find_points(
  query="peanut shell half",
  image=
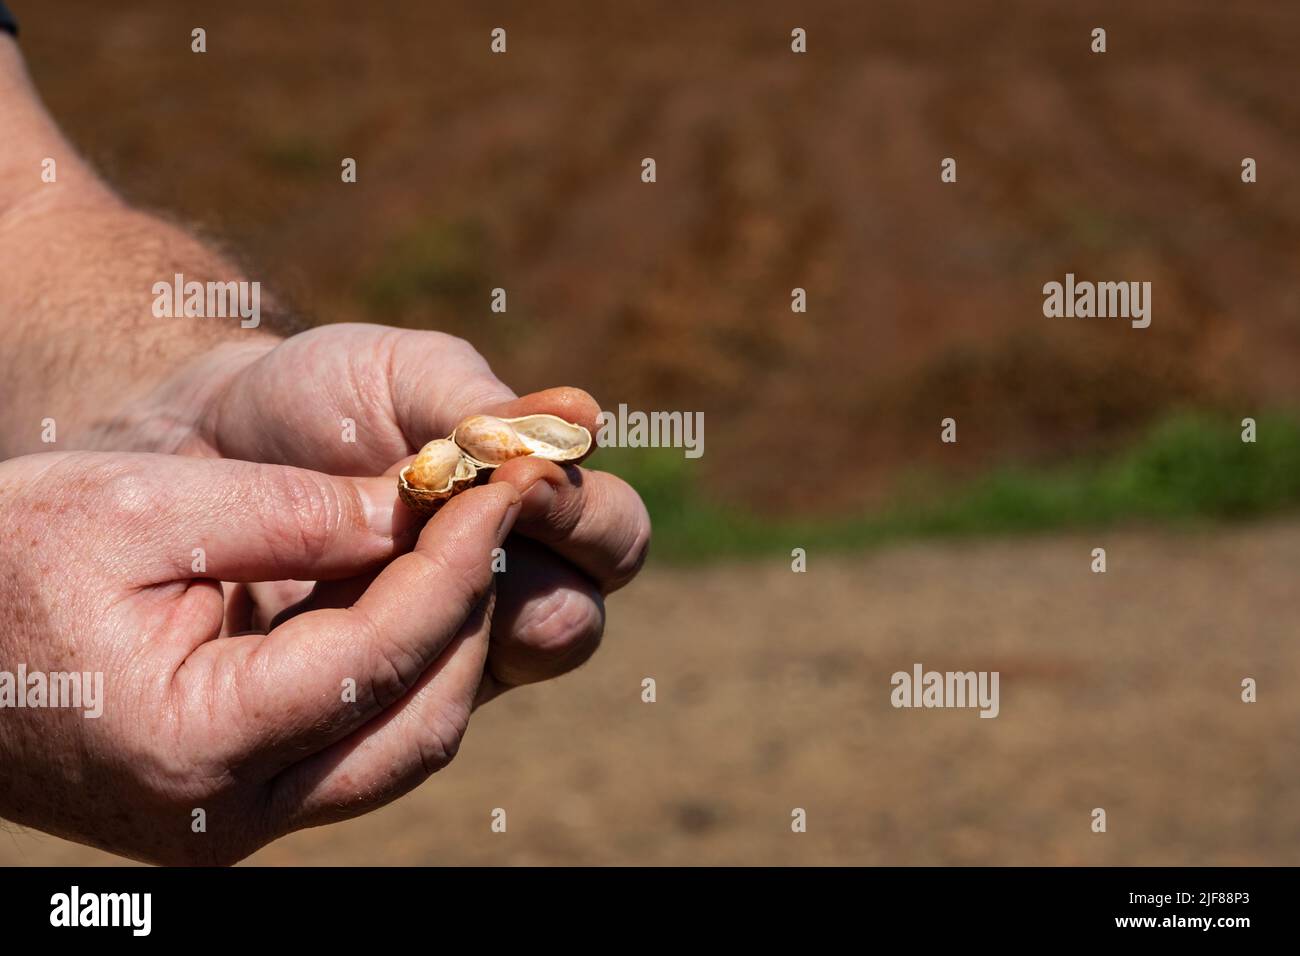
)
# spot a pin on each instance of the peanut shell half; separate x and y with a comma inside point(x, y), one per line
point(447, 466)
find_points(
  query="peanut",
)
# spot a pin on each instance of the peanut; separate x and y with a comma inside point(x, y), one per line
point(435, 466)
point(489, 440)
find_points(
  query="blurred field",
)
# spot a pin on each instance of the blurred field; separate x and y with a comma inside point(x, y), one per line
point(775, 171)
point(1118, 690)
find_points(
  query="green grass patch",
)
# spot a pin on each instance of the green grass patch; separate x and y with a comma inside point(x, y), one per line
point(437, 260)
point(1188, 469)
point(294, 156)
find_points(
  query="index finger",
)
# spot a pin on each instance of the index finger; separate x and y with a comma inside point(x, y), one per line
point(295, 681)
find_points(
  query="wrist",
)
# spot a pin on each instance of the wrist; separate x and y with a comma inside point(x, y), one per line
point(178, 416)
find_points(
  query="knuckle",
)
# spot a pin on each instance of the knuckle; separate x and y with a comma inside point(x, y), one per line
point(567, 629)
point(387, 681)
point(124, 496)
point(447, 347)
point(439, 746)
point(567, 516)
point(462, 347)
point(638, 549)
point(476, 385)
point(391, 671)
point(320, 510)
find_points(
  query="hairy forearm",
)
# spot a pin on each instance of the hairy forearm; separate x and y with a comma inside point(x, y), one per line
point(80, 344)
point(82, 347)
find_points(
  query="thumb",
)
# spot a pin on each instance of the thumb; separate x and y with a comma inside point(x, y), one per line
point(242, 521)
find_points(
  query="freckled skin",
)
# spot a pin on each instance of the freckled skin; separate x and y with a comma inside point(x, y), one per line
point(98, 581)
point(51, 593)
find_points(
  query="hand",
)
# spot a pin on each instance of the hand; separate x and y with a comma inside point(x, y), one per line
point(96, 558)
point(581, 534)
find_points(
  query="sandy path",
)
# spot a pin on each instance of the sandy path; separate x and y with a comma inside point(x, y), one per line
point(1118, 690)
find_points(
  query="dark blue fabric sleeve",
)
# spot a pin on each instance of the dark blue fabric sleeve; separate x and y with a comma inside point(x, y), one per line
point(7, 21)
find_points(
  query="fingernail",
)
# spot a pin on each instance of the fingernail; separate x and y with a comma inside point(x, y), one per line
point(507, 521)
point(379, 513)
point(537, 499)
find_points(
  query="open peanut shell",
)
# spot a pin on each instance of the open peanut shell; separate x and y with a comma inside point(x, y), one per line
point(447, 466)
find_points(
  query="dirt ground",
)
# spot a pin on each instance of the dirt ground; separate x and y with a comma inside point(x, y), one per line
point(1119, 691)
